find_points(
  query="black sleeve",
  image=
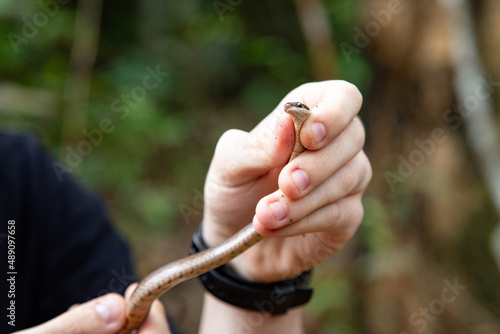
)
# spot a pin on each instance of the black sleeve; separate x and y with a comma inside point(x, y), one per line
point(66, 250)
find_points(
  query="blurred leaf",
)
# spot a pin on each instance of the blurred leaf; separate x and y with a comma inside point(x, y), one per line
point(330, 293)
point(375, 229)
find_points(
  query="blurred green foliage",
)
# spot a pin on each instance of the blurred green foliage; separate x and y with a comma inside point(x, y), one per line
point(224, 70)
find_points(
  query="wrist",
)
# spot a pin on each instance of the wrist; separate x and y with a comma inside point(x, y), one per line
point(217, 228)
point(274, 298)
point(212, 233)
point(220, 317)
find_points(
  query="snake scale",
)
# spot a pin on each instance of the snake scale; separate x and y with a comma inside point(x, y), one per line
point(164, 278)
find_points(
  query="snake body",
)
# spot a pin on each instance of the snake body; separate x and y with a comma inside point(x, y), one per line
point(164, 278)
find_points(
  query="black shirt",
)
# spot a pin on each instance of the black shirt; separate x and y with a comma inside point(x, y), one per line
point(57, 246)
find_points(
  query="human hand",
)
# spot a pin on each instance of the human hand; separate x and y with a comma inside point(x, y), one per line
point(103, 315)
point(314, 201)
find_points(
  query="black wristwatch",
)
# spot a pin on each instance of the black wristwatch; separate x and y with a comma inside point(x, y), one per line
point(273, 298)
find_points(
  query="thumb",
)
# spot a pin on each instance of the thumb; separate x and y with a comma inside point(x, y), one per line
point(242, 157)
point(104, 315)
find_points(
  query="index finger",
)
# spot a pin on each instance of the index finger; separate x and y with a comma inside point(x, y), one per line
point(334, 104)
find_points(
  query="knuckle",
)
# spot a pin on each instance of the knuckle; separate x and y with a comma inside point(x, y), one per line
point(368, 171)
point(348, 181)
point(353, 216)
point(222, 142)
point(358, 132)
point(231, 147)
point(352, 92)
point(360, 174)
point(227, 138)
point(363, 171)
point(334, 212)
point(358, 213)
point(338, 120)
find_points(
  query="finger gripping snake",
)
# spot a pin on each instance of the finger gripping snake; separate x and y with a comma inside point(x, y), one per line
point(164, 278)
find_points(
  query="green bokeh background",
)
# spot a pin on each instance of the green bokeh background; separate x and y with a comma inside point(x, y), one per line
point(228, 67)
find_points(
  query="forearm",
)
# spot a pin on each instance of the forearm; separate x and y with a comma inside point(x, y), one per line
point(220, 317)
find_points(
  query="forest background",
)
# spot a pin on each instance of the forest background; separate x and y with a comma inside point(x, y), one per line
point(426, 258)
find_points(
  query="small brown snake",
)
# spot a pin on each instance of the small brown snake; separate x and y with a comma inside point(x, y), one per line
point(164, 278)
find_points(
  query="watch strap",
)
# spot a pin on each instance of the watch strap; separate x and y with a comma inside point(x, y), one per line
point(274, 298)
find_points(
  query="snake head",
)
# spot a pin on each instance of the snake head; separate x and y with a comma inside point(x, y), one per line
point(289, 105)
point(299, 112)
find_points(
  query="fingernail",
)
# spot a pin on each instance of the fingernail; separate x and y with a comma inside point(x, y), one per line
point(278, 210)
point(300, 179)
point(107, 310)
point(319, 132)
